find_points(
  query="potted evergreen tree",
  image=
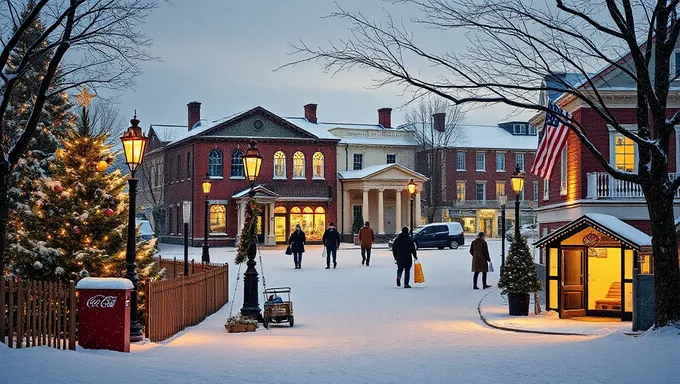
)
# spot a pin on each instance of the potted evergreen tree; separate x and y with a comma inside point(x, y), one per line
point(519, 278)
point(357, 224)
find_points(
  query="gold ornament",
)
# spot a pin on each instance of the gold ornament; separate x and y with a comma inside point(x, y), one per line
point(84, 98)
point(60, 153)
point(102, 166)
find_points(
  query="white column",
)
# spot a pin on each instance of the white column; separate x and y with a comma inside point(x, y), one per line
point(381, 213)
point(416, 219)
point(271, 239)
point(397, 212)
point(364, 205)
point(241, 216)
point(347, 212)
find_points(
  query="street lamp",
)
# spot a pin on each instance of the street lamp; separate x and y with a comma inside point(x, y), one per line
point(206, 184)
point(517, 186)
point(412, 193)
point(504, 201)
point(252, 160)
point(134, 143)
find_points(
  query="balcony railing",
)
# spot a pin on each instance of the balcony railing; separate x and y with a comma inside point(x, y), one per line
point(523, 204)
point(602, 185)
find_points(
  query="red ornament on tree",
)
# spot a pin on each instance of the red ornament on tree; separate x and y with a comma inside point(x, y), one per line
point(109, 212)
point(76, 229)
point(58, 188)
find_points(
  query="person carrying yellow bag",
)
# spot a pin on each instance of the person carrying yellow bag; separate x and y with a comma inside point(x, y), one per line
point(418, 276)
point(402, 250)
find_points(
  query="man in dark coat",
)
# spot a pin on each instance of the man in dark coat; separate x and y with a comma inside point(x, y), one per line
point(331, 240)
point(480, 259)
point(403, 251)
point(296, 242)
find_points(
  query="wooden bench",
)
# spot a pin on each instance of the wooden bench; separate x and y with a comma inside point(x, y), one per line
point(612, 302)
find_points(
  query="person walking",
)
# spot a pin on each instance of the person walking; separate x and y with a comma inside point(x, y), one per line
point(480, 259)
point(296, 242)
point(366, 239)
point(403, 251)
point(331, 240)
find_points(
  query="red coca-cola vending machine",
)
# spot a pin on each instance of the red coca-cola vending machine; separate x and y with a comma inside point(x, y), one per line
point(104, 313)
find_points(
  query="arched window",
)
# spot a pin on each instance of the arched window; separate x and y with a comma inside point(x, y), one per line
point(218, 218)
point(279, 165)
point(215, 163)
point(317, 166)
point(299, 165)
point(237, 163)
point(295, 210)
point(280, 209)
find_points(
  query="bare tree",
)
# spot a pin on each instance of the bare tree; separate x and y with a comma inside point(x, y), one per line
point(105, 117)
point(152, 192)
point(436, 124)
point(507, 48)
point(94, 42)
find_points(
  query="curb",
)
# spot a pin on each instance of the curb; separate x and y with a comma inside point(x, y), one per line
point(517, 330)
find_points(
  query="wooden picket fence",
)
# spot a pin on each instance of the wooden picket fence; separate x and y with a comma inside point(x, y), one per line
point(174, 304)
point(37, 313)
point(175, 268)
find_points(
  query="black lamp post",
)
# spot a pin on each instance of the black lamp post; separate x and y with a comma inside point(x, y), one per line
point(252, 160)
point(517, 186)
point(134, 144)
point(412, 193)
point(206, 184)
point(504, 201)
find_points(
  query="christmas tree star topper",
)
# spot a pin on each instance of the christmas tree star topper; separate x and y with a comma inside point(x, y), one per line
point(84, 98)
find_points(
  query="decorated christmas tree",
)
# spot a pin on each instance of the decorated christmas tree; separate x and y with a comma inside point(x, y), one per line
point(519, 275)
point(78, 215)
point(358, 223)
point(249, 231)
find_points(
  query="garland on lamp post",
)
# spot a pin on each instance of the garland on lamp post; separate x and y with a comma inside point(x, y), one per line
point(248, 232)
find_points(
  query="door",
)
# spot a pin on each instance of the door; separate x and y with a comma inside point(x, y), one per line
point(390, 220)
point(280, 229)
point(487, 227)
point(573, 301)
point(426, 237)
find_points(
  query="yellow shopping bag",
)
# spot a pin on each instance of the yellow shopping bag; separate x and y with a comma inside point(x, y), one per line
point(418, 276)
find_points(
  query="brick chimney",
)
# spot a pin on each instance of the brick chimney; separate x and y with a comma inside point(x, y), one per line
point(310, 113)
point(194, 113)
point(439, 121)
point(385, 117)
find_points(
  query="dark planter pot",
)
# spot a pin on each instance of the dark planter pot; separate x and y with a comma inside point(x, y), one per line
point(518, 304)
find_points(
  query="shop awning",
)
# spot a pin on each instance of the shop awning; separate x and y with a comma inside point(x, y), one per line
point(609, 225)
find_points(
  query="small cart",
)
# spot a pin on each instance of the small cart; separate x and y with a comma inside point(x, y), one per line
point(278, 311)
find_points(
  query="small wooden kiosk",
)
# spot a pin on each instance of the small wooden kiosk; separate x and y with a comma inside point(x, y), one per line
point(589, 266)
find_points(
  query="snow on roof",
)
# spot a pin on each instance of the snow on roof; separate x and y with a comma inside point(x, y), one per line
point(104, 283)
point(621, 228)
point(377, 140)
point(258, 189)
point(558, 81)
point(492, 136)
point(361, 173)
point(322, 130)
point(203, 125)
point(168, 132)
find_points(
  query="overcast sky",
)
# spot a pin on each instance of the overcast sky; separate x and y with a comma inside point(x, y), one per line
point(222, 53)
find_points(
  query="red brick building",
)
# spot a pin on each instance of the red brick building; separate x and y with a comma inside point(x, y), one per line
point(296, 183)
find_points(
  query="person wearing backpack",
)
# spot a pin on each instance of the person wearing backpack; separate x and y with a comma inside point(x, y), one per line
point(366, 239)
point(331, 240)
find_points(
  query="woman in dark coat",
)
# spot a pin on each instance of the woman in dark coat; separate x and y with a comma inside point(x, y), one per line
point(296, 242)
point(402, 250)
point(480, 259)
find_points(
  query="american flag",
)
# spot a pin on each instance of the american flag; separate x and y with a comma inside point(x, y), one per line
point(551, 140)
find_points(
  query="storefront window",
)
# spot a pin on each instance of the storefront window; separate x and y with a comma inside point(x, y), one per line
point(280, 224)
point(218, 222)
point(469, 225)
point(604, 279)
point(312, 221)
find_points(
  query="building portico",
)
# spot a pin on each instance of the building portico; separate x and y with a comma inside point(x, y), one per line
point(380, 194)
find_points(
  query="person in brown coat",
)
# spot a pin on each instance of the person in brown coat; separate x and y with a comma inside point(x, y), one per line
point(480, 259)
point(366, 239)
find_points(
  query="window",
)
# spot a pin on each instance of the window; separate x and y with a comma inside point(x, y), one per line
point(519, 160)
point(519, 129)
point(480, 191)
point(624, 153)
point(237, 163)
point(546, 189)
point(218, 219)
point(564, 172)
point(298, 165)
point(311, 220)
point(460, 161)
point(500, 162)
point(279, 165)
point(677, 63)
point(215, 163)
point(391, 158)
point(535, 185)
point(521, 194)
point(481, 161)
point(188, 165)
point(170, 221)
point(532, 130)
point(500, 189)
point(460, 191)
point(317, 166)
point(170, 175)
point(157, 172)
point(358, 160)
point(179, 167)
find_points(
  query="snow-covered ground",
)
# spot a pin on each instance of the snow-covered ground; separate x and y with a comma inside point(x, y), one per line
point(353, 325)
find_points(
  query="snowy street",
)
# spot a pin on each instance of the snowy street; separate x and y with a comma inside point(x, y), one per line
point(354, 325)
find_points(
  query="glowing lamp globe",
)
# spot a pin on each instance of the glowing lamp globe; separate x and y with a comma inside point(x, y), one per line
point(206, 184)
point(517, 181)
point(134, 145)
point(411, 187)
point(252, 161)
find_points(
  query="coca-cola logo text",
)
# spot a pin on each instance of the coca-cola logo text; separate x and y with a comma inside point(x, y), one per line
point(101, 301)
